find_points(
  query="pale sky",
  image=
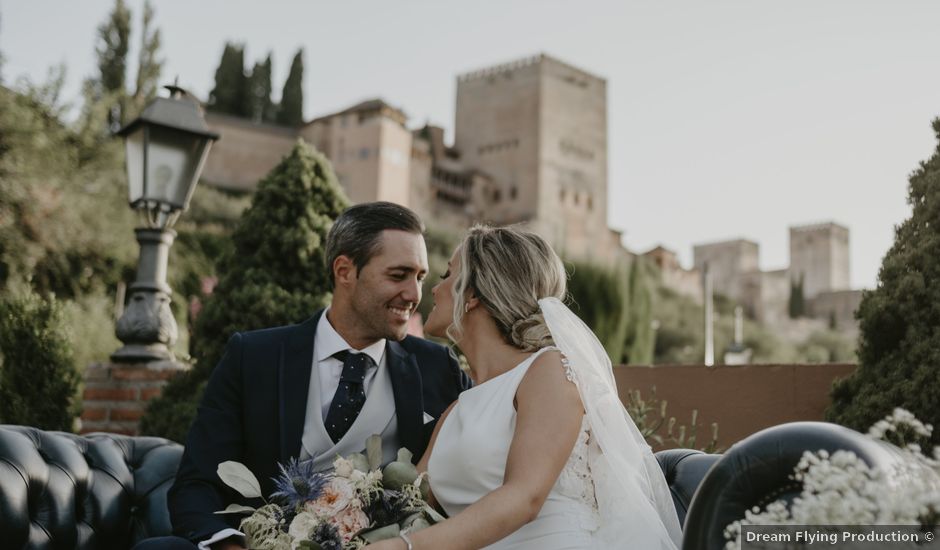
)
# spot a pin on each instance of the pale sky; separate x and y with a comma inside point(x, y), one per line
point(726, 118)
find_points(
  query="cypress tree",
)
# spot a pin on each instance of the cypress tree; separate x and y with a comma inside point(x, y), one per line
point(275, 275)
point(599, 298)
point(291, 111)
point(148, 64)
point(797, 304)
point(261, 108)
point(641, 339)
point(113, 44)
point(231, 84)
point(899, 344)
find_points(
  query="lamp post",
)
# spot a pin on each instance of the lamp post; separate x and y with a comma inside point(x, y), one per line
point(166, 147)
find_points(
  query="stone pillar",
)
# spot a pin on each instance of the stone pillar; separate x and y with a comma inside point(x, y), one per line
point(116, 394)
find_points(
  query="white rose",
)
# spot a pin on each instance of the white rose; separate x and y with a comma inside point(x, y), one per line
point(342, 467)
point(301, 528)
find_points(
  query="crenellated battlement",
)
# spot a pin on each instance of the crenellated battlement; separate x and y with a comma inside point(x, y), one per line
point(520, 64)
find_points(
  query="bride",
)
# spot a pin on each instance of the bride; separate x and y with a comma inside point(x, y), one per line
point(540, 453)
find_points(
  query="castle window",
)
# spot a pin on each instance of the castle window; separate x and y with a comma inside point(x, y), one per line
point(590, 203)
point(513, 193)
point(577, 198)
point(363, 153)
point(561, 195)
point(497, 195)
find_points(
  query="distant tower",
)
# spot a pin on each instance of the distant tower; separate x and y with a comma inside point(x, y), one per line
point(729, 263)
point(538, 126)
point(820, 254)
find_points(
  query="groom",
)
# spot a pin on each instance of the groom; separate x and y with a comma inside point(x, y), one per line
point(320, 388)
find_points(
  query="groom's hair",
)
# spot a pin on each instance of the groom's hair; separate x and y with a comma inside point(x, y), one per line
point(356, 232)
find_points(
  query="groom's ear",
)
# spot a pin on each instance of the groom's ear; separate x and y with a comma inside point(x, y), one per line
point(344, 270)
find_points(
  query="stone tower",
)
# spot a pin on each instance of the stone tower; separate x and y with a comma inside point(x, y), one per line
point(538, 127)
point(820, 253)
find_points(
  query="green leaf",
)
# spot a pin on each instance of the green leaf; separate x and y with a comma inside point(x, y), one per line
point(237, 476)
point(435, 516)
point(236, 509)
point(374, 451)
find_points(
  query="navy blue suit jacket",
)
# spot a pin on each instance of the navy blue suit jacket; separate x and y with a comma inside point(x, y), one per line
point(254, 407)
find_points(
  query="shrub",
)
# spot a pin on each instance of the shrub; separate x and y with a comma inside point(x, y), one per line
point(38, 381)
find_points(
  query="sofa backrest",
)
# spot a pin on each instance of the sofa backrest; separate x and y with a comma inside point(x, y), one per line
point(759, 470)
point(96, 491)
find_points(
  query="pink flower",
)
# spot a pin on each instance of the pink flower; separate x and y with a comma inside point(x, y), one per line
point(350, 521)
point(335, 498)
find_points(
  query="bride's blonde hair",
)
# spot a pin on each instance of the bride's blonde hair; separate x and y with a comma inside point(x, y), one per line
point(509, 270)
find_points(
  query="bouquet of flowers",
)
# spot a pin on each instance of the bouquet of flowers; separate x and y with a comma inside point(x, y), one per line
point(841, 489)
point(356, 504)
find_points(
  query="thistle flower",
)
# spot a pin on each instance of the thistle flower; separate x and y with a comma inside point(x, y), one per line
point(327, 536)
point(298, 483)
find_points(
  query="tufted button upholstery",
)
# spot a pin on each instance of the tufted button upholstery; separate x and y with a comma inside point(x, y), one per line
point(97, 491)
point(757, 471)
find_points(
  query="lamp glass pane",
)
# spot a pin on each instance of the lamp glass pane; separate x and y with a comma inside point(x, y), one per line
point(172, 161)
point(134, 145)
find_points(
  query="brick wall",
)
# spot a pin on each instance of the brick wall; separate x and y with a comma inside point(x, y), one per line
point(116, 394)
point(742, 399)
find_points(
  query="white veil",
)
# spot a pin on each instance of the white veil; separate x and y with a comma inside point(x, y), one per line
point(633, 499)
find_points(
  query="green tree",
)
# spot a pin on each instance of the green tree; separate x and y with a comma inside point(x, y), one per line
point(600, 298)
point(640, 337)
point(275, 275)
point(291, 111)
point(112, 48)
point(797, 304)
point(149, 65)
point(231, 84)
point(261, 108)
point(899, 344)
point(38, 381)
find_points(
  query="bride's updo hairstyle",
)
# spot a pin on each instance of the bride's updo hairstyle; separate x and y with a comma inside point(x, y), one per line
point(509, 270)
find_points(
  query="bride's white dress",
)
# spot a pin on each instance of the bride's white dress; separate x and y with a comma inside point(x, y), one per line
point(469, 460)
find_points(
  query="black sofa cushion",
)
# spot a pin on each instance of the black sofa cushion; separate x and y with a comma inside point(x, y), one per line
point(97, 491)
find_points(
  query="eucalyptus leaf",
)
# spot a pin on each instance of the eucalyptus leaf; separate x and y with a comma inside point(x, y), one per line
point(382, 533)
point(236, 509)
point(404, 455)
point(433, 514)
point(359, 462)
point(237, 476)
point(374, 451)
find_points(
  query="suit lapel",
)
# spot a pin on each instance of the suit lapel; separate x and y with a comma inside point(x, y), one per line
point(296, 364)
point(409, 401)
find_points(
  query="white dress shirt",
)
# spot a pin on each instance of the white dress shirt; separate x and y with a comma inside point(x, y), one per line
point(329, 369)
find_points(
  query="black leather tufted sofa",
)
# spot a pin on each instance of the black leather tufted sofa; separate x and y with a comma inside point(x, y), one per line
point(757, 471)
point(106, 491)
point(97, 491)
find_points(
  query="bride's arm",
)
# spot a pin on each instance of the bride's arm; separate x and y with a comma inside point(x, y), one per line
point(423, 463)
point(549, 419)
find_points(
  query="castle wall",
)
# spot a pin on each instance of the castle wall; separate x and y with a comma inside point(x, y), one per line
point(245, 153)
point(729, 264)
point(573, 160)
point(820, 253)
point(496, 130)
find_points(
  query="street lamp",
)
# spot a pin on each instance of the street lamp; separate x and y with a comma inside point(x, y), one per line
point(166, 147)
